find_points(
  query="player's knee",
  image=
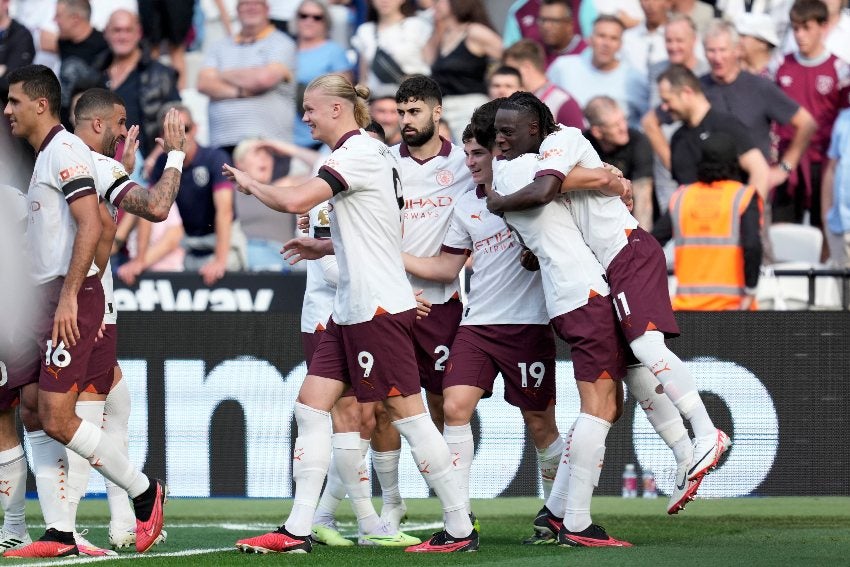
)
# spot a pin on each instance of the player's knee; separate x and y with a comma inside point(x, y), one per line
point(456, 410)
point(541, 427)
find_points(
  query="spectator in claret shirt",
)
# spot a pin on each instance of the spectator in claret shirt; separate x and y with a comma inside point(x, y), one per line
point(820, 82)
point(558, 31)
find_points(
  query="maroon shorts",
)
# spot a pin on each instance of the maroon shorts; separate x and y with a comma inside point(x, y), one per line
point(596, 343)
point(104, 359)
point(638, 280)
point(375, 357)
point(309, 342)
point(524, 354)
point(432, 337)
point(64, 368)
point(9, 397)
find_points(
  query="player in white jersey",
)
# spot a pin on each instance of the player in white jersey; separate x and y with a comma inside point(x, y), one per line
point(62, 235)
point(636, 271)
point(368, 342)
point(505, 327)
point(100, 121)
point(434, 177)
point(13, 283)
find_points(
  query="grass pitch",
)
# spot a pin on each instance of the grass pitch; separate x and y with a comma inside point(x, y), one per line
point(758, 531)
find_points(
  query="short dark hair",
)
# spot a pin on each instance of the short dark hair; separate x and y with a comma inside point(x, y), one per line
point(611, 19)
point(483, 122)
point(564, 3)
point(377, 129)
point(534, 108)
point(81, 7)
point(807, 10)
point(680, 76)
point(505, 70)
point(419, 87)
point(468, 134)
point(408, 8)
point(39, 81)
point(95, 101)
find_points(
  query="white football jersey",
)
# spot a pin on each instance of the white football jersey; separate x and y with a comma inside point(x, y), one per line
point(431, 189)
point(112, 182)
point(602, 220)
point(63, 172)
point(365, 219)
point(501, 291)
point(13, 203)
point(319, 293)
point(570, 271)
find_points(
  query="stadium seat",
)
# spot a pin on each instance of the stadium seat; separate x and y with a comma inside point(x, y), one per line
point(791, 293)
point(796, 243)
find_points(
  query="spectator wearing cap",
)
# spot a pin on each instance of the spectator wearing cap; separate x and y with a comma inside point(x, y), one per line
point(758, 41)
point(820, 82)
point(755, 101)
point(715, 226)
point(249, 79)
point(700, 13)
point(527, 57)
point(600, 71)
point(643, 45)
point(625, 148)
point(558, 31)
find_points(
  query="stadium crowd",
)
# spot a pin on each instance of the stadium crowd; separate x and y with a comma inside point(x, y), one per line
point(698, 129)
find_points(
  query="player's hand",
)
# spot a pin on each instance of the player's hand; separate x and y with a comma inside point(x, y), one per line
point(212, 271)
point(304, 248)
point(423, 306)
point(129, 271)
point(494, 200)
point(65, 327)
point(528, 260)
point(101, 331)
point(173, 132)
point(628, 196)
point(616, 171)
point(131, 146)
point(304, 223)
point(240, 179)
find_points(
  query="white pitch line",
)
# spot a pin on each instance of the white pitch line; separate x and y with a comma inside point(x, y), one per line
point(80, 560)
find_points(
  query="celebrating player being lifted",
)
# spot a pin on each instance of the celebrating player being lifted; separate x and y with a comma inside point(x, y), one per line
point(368, 342)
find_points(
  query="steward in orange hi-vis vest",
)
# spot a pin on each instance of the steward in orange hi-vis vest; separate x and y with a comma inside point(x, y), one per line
point(709, 258)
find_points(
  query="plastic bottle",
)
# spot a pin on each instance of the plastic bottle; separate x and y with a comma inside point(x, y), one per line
point(649, 488)
point(630, 482)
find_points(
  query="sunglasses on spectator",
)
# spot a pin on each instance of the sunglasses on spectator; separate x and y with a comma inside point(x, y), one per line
point(314, 17)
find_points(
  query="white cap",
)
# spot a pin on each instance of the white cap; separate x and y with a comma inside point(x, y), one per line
point(759, 26)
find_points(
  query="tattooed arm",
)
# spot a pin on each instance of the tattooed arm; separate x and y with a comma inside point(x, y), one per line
point(153, 204)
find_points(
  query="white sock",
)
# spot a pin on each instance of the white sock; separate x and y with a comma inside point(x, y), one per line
point(332, 495)
point(557, 500)
point(659, 409)
point(364, 448)
point(587, 453)
point(352, 471)
point(310, 461)
point(105, 457)
point(386, 469)
point(116, 419)
point(432, 458)
point(79, 468)
point(462, 449)
point(678, 383)
point(49, 460)
point(549, 459)
point(13, 489)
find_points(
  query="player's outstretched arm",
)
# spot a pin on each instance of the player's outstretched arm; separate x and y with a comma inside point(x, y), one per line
point(537, 193)
point(154, 204)
point(604, 179)
point(306, 248)
point(443, 268)
point(296, 200)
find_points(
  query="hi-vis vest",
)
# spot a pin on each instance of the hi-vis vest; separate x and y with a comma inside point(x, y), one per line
point(709, 260)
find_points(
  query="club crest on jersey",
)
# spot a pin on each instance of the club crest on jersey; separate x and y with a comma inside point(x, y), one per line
point(824, 84)
point(786, 80)
point(201, 175)
point(118, 173)
point(445, 177)
point(324, 217)
point(76, 170)
point(551, 152)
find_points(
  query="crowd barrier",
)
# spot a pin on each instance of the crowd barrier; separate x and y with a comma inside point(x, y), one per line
point(214, 373)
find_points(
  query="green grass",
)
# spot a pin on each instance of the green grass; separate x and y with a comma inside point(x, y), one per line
point(764, 531)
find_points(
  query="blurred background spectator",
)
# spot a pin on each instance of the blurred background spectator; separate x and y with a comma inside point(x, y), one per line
point(169, 22)
point(836, 193)
point(390, 45)
point(700, 13)
point(151, 246)
point(503, 82)
point(384, 111)
point(249, 80)
point(16, 46)
point(643, 45)
point(317, 55)
point(758, 41)
point(461, 48)
point(558, 31)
